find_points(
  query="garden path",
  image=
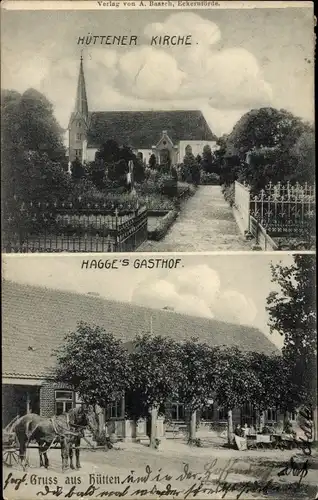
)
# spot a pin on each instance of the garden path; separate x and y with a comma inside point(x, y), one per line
point(206, 223)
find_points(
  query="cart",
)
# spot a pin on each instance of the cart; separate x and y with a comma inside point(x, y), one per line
point(10, 445)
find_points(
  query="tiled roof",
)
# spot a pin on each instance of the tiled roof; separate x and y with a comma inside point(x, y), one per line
point(143, 129)
point(35, 321)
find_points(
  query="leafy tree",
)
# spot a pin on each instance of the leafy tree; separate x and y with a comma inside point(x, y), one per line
point(77, 169)
point(108, 152)
point(292, 314)
point(303, 157)
point(154, 379)
point(97, 172)
point(267, 387)
point(190, 168)
point(207, 159)
point(95, 364)
point(30, 132)
point(197, 378)
point(152, 161)
point(234, 381)
point(268, 135)
point(117, 171)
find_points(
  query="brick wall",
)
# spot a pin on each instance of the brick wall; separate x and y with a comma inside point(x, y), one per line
point(47, 398)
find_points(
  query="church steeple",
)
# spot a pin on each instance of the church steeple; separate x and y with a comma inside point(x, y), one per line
point(81, 105)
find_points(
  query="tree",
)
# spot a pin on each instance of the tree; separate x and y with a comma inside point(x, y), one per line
point(267, 135)
point(190, 167)
point(97, 172)
point(152, 161)
point(108, 152)
point(95, 364)
point(269, 381)
point(30, 132)
point(207, 160)
point(292, 314)
point(77, 169)
point(197, 378)
point(303, 157)
point(155, 376)
point(234, 381)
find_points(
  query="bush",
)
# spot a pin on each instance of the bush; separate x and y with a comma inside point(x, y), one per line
point(229, 194)
point(211, 179)
point(163, 225)
point(168, 186)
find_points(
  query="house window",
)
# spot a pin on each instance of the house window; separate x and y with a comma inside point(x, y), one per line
point(64, 401)
point(115, 410)
point(207, 413)
point(248, 415)
point(79, 124)
point(78, 137)
point(78, 152)
point(177, 411)
point(271, 415)
point(292, 416)
point(222, 414)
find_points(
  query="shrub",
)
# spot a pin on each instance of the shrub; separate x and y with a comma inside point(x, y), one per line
point(168, 186)
point(229, 194)
point(163, 225)
point(212, 179)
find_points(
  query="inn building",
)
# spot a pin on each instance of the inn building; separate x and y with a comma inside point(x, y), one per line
point(162, 133)
point(35, 321)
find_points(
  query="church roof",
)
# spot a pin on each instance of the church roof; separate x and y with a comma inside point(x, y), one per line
point(81, 105)
point(36, 320)
point(143, 129)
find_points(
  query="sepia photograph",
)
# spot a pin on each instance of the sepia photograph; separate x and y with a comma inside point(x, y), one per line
point(157, 129)
point(189, 376)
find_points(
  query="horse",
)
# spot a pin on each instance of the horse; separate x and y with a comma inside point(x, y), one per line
point(67, 429)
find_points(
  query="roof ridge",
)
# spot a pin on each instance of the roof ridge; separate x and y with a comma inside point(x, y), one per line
point(95, 298)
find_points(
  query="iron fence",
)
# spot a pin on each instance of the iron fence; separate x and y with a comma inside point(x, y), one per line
point(72, 227)
point(281, 209)
point(285, 209)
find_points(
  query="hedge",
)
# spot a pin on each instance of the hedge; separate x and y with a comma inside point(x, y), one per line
point(163, 225)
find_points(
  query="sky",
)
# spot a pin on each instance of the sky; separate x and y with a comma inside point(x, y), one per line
point(239, 60)
point(228, 287)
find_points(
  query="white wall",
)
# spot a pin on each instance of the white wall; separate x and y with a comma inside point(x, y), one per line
point(90, 154)
point(146, 153)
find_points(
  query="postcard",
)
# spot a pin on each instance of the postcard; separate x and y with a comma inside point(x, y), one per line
point(157, 126)
point(163, 376)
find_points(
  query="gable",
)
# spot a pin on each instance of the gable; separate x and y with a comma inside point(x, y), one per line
point(143, 129)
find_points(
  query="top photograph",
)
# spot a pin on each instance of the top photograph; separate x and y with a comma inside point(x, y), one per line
point(158, 129)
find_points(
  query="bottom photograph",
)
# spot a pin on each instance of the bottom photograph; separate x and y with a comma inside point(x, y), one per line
point(179, 376)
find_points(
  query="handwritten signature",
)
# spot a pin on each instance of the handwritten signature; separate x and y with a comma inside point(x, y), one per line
point(307, 427)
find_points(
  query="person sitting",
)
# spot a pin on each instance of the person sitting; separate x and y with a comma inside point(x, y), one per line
point(239, 431)
point(246, 430)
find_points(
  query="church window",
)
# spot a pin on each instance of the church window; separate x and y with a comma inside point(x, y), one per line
point(78, 152)
point(164, 142)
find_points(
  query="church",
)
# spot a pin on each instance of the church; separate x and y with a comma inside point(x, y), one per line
point(166, 134)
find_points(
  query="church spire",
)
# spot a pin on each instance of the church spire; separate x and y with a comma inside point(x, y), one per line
point(81, 105)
